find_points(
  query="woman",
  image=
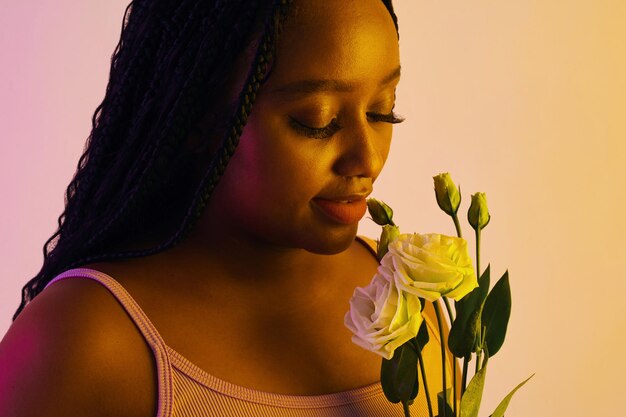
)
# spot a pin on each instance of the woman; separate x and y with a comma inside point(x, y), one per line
point(230, 271)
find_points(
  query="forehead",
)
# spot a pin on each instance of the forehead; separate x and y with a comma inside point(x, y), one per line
point(353, 41)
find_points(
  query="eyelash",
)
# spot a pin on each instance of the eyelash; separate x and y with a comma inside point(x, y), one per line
point(333, 127)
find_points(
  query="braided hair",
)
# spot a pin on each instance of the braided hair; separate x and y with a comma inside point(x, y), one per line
point(171, 60)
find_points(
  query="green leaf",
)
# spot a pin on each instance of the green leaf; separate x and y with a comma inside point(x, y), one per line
point(470, 401)
point(472, 300)
point(398, 375)
point(501, 408)
point(463, 337)
point(496, 313)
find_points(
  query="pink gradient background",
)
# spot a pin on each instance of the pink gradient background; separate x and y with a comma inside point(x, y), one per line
point(525, 101)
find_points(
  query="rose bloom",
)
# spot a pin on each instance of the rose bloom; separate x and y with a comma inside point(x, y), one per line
point(381, 317)
point(430, 265)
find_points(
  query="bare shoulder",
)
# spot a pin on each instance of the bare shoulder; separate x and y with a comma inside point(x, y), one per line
point(74, 351)
point(373, 244)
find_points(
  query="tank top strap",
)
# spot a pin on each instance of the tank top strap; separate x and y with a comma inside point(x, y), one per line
point(143, 323)
point(370, 244)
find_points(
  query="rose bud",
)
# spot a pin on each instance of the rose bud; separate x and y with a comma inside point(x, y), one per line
point(448, 195)
point(388, 235)
point(381, 213)
point(478, 214)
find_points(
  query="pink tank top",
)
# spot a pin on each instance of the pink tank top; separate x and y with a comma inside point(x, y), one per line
point(185, 390)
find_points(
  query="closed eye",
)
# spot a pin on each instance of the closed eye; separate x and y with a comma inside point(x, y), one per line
point(388, 118)
point(315, 132)
point(334, 126)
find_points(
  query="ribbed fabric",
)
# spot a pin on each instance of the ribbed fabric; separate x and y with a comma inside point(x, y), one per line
point(185, 390)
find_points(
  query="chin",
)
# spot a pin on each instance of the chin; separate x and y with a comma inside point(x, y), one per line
point(332, 242)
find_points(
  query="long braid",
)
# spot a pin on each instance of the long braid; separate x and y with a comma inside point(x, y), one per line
point(186, 108)
point(175, 124)
point(107, 125)
point(140, 165)
point(114, 107)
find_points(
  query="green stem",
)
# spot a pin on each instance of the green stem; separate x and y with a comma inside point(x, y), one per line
point(421, 362)
point(449, 309)
point(464, 377)
point(454, 391)
point(457, 225)
point(477, 253)
point(479, 353)
point(442, 413)
point(482, 333)
point(454, 384)
point(405, 407)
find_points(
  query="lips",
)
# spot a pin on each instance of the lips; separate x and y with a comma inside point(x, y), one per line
point(345, 209)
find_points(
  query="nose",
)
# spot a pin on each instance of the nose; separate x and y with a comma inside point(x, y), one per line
point(364, 150)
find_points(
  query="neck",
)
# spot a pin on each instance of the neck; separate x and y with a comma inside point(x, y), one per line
point(258, 272)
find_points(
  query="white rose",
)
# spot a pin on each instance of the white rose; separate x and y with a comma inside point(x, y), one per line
point(382, 318)
point(430, 265)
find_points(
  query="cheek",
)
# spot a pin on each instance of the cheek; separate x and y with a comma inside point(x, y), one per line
point(272, 165)
point(385, 143)
point(385, 151)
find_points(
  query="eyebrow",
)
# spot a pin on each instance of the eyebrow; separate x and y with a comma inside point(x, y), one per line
point(316, 86)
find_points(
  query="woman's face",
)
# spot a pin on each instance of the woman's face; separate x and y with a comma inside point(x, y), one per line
point(313, 130)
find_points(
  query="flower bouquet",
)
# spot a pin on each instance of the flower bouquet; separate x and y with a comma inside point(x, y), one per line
point(387, 316)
